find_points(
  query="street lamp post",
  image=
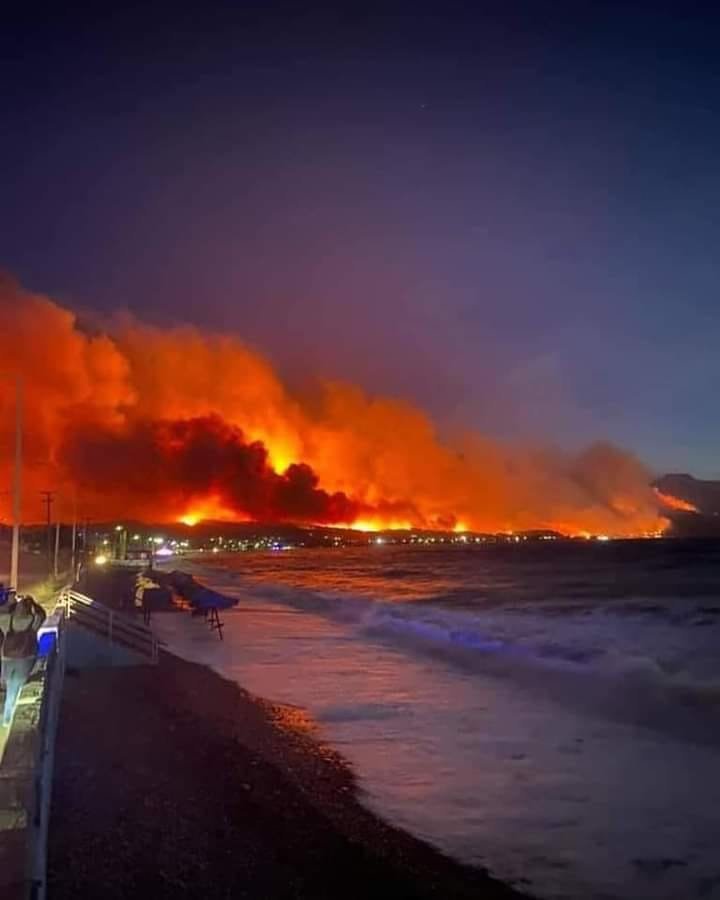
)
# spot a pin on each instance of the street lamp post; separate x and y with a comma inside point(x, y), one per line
point(17, 486)
point(74, 538)
point(57, 548)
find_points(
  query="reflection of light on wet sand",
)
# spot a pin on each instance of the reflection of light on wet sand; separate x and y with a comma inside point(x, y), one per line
point(292, 718)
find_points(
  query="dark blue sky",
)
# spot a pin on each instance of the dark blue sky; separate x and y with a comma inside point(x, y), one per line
point(509, 213)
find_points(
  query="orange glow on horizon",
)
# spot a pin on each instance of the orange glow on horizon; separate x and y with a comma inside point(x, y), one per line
point(379, 524)
point(174, 424)
point(190, 519)
point(211, 508)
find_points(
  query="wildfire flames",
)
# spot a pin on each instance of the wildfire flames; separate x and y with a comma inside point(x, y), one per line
point(675, 503)
point(137, 422)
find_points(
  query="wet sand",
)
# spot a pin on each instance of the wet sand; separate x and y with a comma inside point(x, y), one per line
point(172, 782)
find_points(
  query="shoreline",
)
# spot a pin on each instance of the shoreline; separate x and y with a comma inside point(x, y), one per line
point(175, 782)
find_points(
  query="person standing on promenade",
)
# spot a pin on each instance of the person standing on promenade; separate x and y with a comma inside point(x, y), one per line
point(19, 650)
point(143, 583)
point(7, 607)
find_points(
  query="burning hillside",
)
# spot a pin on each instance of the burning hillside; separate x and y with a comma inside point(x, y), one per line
point(671, 502)
point(136, 422)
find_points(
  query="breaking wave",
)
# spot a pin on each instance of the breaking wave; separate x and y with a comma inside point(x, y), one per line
point(576, 661)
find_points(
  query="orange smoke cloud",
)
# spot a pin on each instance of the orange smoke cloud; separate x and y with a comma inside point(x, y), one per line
point(141, 422)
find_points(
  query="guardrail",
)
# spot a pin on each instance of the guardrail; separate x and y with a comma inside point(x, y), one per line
point(49, 714)
point(107, 623)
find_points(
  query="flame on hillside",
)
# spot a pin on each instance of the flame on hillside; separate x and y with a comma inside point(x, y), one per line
point(676, 503)
point(173, 424)
point(211, 508)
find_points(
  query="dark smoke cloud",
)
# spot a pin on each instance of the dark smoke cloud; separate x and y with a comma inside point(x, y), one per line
point(170, 462)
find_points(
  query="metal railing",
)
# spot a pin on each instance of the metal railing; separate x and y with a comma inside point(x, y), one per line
point(49, 714)
point(114, 626)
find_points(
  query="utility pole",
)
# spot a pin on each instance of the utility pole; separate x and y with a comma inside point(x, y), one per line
point(48, 498)
point(57, 548)
point(74, 538)
point(17, 485)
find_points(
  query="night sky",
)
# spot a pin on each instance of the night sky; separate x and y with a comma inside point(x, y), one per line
point(511, 216)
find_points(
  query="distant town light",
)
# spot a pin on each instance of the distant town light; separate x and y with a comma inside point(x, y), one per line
point(118, 528)
point(603, 537)
point(379, 540)
point(158, 540)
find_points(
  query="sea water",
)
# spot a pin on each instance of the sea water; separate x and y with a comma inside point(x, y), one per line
point(549, 711)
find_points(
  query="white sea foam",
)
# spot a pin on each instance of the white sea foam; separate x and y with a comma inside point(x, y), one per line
point(591, 662)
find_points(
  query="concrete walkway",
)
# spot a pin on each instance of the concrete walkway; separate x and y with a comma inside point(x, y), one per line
point(21, 751)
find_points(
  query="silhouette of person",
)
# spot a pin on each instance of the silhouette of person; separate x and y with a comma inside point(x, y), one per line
point(19, 650)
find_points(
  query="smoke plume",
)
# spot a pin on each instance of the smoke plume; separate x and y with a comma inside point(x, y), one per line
point(135, 421)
